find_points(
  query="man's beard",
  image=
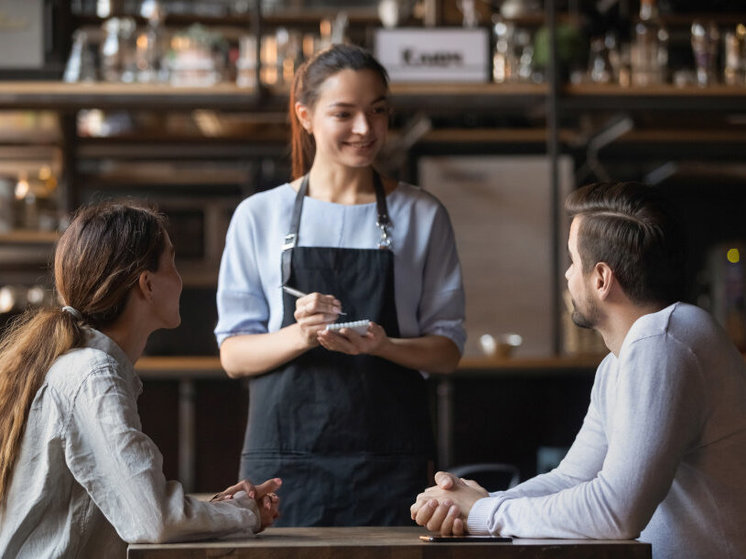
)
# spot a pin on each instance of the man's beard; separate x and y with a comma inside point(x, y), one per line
point(588, 320)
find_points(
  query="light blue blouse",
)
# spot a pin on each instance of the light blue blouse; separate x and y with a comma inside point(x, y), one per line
point(427, 274)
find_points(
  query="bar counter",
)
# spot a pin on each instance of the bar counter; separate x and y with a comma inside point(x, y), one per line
point(384, 543)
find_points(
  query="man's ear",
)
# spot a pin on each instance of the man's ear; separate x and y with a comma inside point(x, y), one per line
point(603, 279)
point(145, 285)
point(303, 115)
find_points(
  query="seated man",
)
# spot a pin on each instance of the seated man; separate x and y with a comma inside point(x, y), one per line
point(662, 450)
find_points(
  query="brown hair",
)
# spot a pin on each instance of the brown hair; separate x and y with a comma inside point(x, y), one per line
point(632, 228)
point(305, 90)
point(98, 260)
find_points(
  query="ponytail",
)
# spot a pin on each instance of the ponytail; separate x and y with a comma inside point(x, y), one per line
point(302, 144)
point(34, 341)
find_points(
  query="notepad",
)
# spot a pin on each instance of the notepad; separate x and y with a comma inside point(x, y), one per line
point(359, 326)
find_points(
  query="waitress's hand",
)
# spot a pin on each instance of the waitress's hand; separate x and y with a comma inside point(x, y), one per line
point(350, 342)
point(313, 312)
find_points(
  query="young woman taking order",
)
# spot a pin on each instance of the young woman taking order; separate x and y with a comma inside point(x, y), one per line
point(340, 415)
point(78, 478)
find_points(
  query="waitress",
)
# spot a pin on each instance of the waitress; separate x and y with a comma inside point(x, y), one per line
point(342, 417)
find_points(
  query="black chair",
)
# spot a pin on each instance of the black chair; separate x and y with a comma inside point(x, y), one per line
point(491, 476)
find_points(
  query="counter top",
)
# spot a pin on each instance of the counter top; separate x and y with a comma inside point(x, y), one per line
point(199, 366)
point(385, 542)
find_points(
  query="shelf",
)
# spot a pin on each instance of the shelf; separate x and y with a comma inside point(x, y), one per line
point(465, 97)
point(74, 96)
point(29, 237)
point(416, 96)
point(525, 365)
point(60, 95)
point(661, 98)
point(308, 15)
point(507, 136)
point(208, 367)
point(675, 136)
point(165, 368)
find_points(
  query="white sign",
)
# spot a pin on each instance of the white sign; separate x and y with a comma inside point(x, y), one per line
point(434, 55)
point(21, 40)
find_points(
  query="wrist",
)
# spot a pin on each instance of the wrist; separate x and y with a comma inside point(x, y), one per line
point(479, 516)
point(382, 349)
point(301, 340)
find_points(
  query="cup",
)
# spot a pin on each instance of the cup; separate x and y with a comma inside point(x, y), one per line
point(502, 346)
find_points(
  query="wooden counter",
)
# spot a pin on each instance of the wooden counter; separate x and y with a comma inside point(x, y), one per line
point(188, 370)
point(388, 543)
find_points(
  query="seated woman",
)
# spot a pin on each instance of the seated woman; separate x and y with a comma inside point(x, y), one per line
point(78, 477)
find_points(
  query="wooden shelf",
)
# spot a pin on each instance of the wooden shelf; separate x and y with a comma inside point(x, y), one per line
point(525, 364)
point(664, 90)
point(194, 367)
point(29, 237)
point(73, 96)
point(153, 367)
point(430, 96)
point(509, 136)
point(208, 367)
point(667, 97)
point(282, 16)
point(60, 95)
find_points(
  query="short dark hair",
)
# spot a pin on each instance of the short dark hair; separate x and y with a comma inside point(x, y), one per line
point(631, 227)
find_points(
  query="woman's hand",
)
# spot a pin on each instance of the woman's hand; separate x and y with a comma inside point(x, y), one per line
point(313, 312)
point(263, 495)
point(348, 341)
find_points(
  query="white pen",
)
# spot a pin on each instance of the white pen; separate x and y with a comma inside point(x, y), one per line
point(296, 293)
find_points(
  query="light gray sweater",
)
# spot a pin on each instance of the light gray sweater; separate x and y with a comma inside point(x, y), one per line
point(661, 453)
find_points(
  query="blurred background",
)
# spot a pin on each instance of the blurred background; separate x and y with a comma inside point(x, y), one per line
point(501, 107)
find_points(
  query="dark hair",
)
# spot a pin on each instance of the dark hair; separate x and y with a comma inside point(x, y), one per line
point(305, 90)
point(631, 227)
point(98, 259)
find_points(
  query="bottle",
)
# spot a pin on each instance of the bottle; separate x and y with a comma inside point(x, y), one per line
point(649, 50)
point(705, 41)
point(735, 57)
point(599, 64)
point(504, 62)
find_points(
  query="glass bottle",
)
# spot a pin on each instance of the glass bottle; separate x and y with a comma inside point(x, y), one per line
point(81, 65)
point(503, 57)
point(734, 72)
point(599, 64)
point(649, 50)
point(705, 40)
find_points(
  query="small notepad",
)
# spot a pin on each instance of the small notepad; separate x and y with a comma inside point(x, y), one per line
point(359, 326)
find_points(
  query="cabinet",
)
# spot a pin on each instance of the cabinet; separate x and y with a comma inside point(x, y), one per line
point(198, 151)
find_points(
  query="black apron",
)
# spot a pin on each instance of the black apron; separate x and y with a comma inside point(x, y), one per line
point(350, 436)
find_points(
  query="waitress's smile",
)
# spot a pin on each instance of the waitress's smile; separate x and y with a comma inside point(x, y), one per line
point(363, 148)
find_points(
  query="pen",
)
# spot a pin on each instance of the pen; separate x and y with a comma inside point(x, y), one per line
point(296, 293)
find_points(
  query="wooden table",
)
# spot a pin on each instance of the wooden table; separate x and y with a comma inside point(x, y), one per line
point(384, 543)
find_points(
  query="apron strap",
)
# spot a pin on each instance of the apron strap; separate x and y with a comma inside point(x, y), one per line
point(291, 239)
point(383, 222)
